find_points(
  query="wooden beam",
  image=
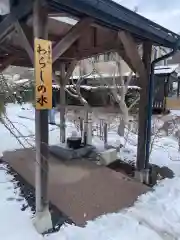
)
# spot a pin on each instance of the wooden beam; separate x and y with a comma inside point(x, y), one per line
point(147, 53)
point(29, 34)
point(131, 51)
point(62, 103)
point(40, 27)
point(18, 12)
point(25, 41)
point(124, 56)
point(74, 33)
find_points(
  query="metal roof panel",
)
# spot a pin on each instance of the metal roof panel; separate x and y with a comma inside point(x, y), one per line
point(115, 16)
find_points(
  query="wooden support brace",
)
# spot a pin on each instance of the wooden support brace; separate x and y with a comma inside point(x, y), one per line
point(132, 52)
point(124, 56)
point(60, 47)
point(64, 77)
point(62, 103)
point(25, 41)
point(23, 8)
point(74, 33)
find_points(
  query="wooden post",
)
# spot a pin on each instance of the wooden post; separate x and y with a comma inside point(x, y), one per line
point(178, 88)
point(142, 67)
point(42, 219)
point(85, 127)
point(143, 104)
point(62, 103)
point(81, 126)
point(105, 134)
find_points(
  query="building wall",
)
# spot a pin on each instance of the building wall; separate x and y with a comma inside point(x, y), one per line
point(175, 59)
point(106, 64)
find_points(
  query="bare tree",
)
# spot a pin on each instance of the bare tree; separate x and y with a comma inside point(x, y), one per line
point(119, 89)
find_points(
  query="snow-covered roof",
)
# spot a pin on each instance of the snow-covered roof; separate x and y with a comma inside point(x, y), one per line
point(88, 87)
point(66, 20)
point(104, 75)
point(21, 81)
point(166, 69)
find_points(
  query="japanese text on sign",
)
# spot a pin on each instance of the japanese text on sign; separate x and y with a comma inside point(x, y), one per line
point(43, 73)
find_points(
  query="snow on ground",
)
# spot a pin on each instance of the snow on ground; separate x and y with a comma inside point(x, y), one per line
point(155, 215)
point(15, 224)
point(164, 152)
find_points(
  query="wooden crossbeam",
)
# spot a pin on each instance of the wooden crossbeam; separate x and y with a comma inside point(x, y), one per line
point(73, 34)
point(25, 41)
point(132, 53)
point(86, 53)
point(19, 12)
point(63, 44)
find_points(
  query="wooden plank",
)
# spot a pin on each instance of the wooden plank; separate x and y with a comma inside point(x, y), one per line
point(26, 43)
point(74, 33)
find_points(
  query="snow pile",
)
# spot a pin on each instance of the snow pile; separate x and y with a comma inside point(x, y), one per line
point(15, 224)
point(164, 152)
point(156, 215)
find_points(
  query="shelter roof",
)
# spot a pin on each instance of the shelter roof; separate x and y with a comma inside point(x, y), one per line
point(114, 16)
point(100, 37)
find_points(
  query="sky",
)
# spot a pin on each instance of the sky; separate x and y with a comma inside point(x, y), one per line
point(163, 12)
